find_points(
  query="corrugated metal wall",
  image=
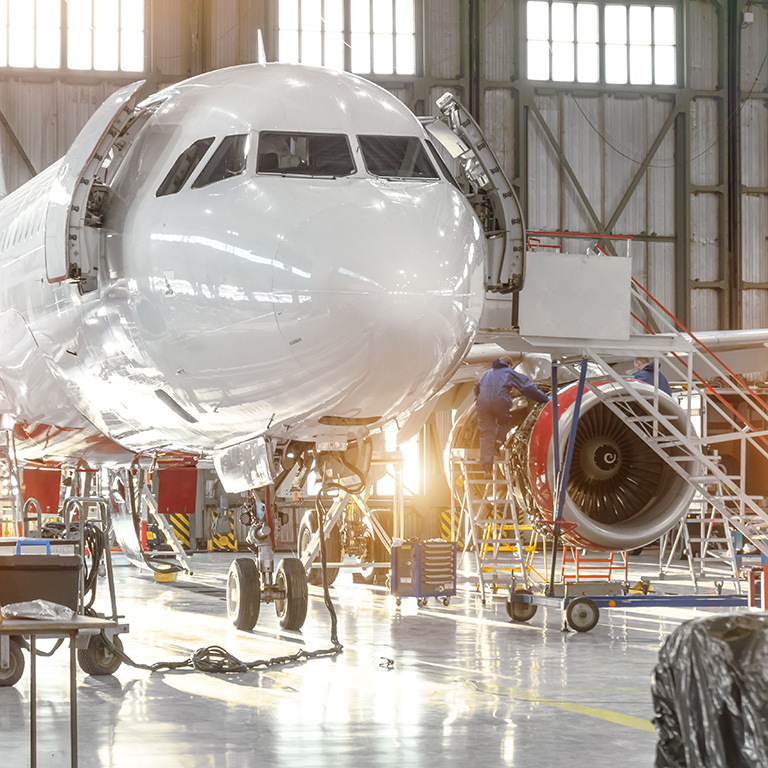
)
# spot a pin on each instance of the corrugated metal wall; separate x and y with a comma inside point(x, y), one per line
point(754, 167)
point(573, 152)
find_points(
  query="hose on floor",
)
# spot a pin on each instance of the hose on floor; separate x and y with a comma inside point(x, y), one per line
point(215, 659)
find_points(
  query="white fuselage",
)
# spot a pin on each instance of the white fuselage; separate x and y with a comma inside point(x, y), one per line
point(298, 307)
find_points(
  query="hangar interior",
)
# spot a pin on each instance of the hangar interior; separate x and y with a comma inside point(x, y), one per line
point(631, 134)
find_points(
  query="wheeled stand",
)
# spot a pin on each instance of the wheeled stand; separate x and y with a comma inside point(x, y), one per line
point(49, 582)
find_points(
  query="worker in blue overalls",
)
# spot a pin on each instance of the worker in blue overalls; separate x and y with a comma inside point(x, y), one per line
point(645, 373)
point(494, 403)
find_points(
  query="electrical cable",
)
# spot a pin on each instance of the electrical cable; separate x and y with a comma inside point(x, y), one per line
point(320, 510)
point(94, 540)
point(357, 488)
point(217, 660)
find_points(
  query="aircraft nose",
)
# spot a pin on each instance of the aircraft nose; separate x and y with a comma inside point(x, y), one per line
point(392, 290)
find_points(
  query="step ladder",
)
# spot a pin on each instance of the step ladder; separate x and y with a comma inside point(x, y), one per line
point(10, 486)
point(688, 453)
point(705, 540)
point(579, 566)
point(148, 503)
point(490, 516)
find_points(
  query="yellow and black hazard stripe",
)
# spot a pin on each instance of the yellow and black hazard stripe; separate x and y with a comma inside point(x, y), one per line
point(180, 525)
point(445, 526)
point(222, 542)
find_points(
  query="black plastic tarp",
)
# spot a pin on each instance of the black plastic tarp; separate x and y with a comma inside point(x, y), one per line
point(710, 694)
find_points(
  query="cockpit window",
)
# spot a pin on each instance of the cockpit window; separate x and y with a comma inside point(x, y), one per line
point(228, 160)
point(182, 169)
point(305, 154)
point(399, 157)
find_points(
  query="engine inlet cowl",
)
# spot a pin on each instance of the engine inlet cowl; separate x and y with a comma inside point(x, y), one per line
point(621, 494)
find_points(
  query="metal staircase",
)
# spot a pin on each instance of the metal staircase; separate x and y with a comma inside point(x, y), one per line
point(489, 514)
point(692, 454)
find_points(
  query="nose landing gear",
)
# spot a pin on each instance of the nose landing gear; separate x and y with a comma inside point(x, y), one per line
point(249, 585)
point(252, 582)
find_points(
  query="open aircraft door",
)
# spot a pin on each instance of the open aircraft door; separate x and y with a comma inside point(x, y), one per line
point(73, 238)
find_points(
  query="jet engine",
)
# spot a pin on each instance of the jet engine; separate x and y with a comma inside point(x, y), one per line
point(620, 494)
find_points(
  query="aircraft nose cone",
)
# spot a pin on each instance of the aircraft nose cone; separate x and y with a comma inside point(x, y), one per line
point(392, 291)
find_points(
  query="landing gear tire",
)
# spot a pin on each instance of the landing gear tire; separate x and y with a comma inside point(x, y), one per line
point(12, 675)
point(332, 549)
point(243, 593)
point(291, 610)
point(582, 614)
point(98, 659)
point(521, 611)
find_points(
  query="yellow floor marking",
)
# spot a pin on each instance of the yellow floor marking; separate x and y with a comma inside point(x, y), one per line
point(580, 709)
point(638, 723)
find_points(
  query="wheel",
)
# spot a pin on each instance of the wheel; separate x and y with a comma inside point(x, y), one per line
point(291, 610)
point(243, 593)
point(521, 611)
point(97, 658)
point(11, 675)
point(332, 549)
point(446, 601)
point(421, 602)
point(377, 550)
point(582, 614)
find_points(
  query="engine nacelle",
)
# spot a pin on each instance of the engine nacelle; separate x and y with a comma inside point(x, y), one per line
point(620, 493)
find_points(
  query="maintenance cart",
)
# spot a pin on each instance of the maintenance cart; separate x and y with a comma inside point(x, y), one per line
point(61, 564)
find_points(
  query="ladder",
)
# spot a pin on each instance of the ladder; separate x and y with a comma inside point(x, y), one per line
point(599, 566)
point(706, 539)
point(10, 486)
point(489, 514)
point(148, 502)
point(687, 452)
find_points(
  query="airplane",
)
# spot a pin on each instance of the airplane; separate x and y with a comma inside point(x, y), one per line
point(254, 263)
point(256, 267)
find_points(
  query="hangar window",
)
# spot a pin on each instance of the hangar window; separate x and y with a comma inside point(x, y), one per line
point(363, 36)
point(602, 42)
point(182, 169)
point(103, 35)
point(228, 160)
point(305, 154)
point(398, 157)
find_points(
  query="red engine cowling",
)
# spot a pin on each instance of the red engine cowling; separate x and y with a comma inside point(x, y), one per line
point(620, 493)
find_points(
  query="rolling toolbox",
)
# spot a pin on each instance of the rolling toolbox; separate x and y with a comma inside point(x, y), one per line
point(423, 570)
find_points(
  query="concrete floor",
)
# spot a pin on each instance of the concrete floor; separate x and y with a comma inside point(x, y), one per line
point(467, 687)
